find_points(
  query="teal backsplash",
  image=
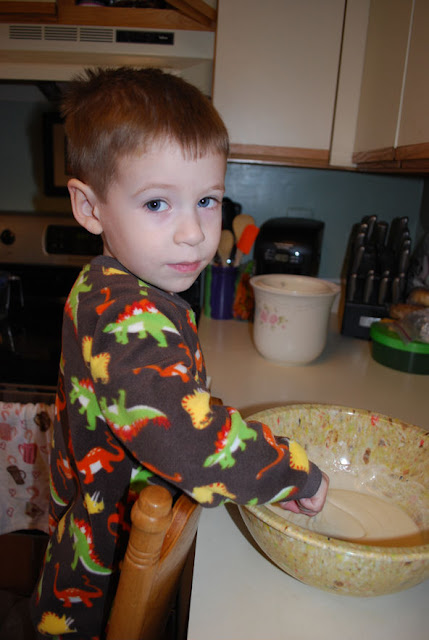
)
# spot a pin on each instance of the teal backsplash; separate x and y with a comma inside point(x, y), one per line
point(339, 198)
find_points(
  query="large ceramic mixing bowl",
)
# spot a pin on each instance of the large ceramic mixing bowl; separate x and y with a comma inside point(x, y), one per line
point(291, 316)
point(385, 457)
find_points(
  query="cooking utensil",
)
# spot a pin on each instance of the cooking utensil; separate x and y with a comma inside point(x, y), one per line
point(226, 244)
point(369, 285)
point(384, 287)
point(370, 221)
point(351, 287)
point(245, 243)
point(357, 259)
point(239, 225)
point(247, 238)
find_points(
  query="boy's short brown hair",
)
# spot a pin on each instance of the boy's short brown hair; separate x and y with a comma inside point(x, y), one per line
point(112, 113)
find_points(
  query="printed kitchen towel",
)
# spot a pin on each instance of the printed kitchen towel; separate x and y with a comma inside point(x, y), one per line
point(25, 443)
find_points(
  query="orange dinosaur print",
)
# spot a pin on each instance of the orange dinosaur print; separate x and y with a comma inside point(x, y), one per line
point(107, 301)
point(199, 360)
point(175, 478)
point(60, 398)
point(64, 468)
point(280, 448)
point(190, 316)
point(99, 458)
point(71, 595)
point(118, 518)
point(52, 524)
point(178, 369)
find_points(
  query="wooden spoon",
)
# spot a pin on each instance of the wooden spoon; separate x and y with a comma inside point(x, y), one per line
point(226, 244)
point(239, 224)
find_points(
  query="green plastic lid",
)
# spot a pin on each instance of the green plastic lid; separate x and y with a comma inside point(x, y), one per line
point(382, 332)
point(389, 349)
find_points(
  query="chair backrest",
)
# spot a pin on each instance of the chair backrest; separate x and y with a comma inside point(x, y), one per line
point(160, 540)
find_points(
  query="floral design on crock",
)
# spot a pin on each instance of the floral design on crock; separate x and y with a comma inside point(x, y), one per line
point(271, 317)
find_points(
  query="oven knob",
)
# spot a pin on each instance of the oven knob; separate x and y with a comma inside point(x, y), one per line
point(7, 236)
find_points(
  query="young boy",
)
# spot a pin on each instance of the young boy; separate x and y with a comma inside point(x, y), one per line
point(148, 152)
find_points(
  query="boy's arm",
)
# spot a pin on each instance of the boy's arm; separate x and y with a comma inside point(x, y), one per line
point(310, 505)
point(155, 401)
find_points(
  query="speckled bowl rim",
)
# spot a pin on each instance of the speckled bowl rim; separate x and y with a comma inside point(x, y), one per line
point(301, 534)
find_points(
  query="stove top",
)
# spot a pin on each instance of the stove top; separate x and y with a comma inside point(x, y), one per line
point(40, 257)
point(45, 239)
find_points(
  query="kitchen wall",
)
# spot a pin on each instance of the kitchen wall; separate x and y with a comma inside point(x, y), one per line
point(339, 198)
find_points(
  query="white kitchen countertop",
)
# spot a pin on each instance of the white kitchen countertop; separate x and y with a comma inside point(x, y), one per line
point(237, 593)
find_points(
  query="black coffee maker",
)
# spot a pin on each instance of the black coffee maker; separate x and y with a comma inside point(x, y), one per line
point(289, 245)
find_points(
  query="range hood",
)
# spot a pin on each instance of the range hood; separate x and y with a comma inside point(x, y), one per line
point(58, 52)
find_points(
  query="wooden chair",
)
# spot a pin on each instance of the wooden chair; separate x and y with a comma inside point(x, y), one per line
point(160, 541)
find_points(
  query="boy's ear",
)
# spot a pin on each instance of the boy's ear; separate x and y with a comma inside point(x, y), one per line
point(84, 204)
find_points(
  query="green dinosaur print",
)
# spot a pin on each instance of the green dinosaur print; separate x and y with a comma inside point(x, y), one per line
point(284, 494)
point(79, 287)
point(54, 494)
point(230, 438)
point(145, 290)
point(139, 479)
point(127, 423)
point(48, 558)
point(83, 391)
point(83, 547)
point(143, 318)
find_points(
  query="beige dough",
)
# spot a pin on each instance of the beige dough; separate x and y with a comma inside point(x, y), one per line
point(360, 517)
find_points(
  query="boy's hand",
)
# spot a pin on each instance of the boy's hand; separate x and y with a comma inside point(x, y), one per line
point(309, 506)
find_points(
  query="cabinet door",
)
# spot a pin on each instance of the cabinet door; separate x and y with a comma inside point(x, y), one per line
point(393, 126)
point(28, 10)
point(276, 68)
point(382, 80)
point(414, 120)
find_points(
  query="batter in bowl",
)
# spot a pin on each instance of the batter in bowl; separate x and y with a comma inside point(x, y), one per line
point(359, 516)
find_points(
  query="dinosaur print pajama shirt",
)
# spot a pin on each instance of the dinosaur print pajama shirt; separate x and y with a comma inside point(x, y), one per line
point(132, 408)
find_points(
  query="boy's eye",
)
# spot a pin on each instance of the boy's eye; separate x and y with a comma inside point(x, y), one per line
point(156, 205)
point(207, 202)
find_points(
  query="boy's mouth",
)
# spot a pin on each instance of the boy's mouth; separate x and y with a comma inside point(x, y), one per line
point(186, 267)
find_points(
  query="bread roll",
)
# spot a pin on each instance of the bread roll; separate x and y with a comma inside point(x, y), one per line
point(401, 310)
point(419, 296)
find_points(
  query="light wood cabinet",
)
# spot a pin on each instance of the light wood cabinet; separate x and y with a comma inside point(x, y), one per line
point(392, 129)
point(28, 11)
point(275, 78)
point(184, 14)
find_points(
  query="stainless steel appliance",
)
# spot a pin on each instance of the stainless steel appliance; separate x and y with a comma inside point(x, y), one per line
point(41, 255)
point(40, 258)
point(289, 245)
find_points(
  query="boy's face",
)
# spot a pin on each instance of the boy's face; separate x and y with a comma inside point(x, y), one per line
point(163, 215)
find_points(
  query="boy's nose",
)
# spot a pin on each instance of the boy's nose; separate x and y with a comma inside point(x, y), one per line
point(189, 230)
